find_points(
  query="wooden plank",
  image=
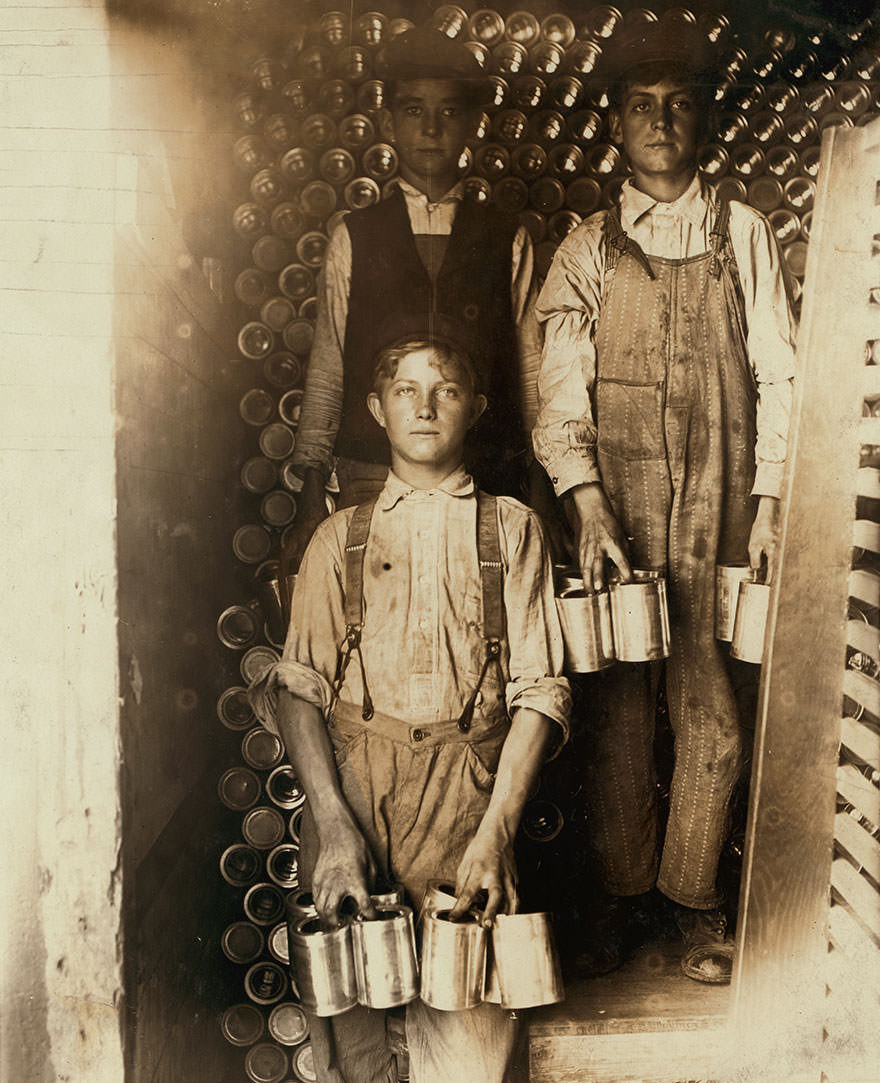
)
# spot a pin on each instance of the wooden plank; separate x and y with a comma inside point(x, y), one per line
point(865, 586)
point(871, 382)
point(861, 898)
point(863, 637)
point(868, 483)
point(864, 849)
point(859, 792)
point(862, 740)
point(866, 535)
point(863, 690)
point(784, 886)
point(849, 937)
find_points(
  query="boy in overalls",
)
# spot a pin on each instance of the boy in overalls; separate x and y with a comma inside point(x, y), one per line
point(424, 249)
point(664, 402)
point(419, 687)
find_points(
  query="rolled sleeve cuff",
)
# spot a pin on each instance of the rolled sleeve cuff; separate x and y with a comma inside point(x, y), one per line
point(768, 479)
point(299, 680)
point(549, 696)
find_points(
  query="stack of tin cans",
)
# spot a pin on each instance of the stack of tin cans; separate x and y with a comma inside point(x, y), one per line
point(307, 149)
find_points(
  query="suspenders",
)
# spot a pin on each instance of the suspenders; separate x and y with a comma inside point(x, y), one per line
point(620, 243)
point(491, 580)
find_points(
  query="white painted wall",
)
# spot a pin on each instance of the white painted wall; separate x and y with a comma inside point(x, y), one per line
point(60, 966)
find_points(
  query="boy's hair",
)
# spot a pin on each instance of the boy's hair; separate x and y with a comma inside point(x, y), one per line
point(474, 93)
point(447, 353)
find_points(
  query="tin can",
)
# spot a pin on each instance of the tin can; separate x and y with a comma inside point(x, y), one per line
point(486, 26)
point(727, 580)
point(640, 617)
point(747, 161)
point(542, 821)
point(242, 1024)
point(372, 27)
point(265, 1062)
point(261, 749)
point(528, 92)
point(234, 710)
point(267, 187)
point(282, 370)
point(277, 509)
point(583, 57)
point(265, 982)
point(439, 895)
point(250, 154)
point(583, 196)
point(380, 162)
point(238, 788)
point(529, 161)
point(251, 543)
point(559, 29)
point(546, 195)
point(384, 950)
point(249, 221)
point(753, 603)
point(255, 339)
point(567, 93)
point(510, 127)
point(288, 1023)
point(324, 966)
point(284, 789)
point(318, 132)
point(510, 195)
point(278, 946)
point(263, 827)
point(238, 626)
point(277, 312)
point(586, 629)
point(240, 866)
point(546, 58)
point(371, 96)
point(361, 192)
point(765, 194)
point(565, 161)
point(782, 162)
point(290, 407)
point(453, 961)
point(491, 161)
point(282, 866)
point(526, 959)
point(264, 904)
point(303, 1059)
point(298, 336)
point(276, 442)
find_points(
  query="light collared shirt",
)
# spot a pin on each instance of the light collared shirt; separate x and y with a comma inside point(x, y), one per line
point(422, 642)
point(322, 402)
point(564, 435)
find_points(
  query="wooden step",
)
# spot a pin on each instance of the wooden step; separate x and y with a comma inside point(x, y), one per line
point(645, 1023)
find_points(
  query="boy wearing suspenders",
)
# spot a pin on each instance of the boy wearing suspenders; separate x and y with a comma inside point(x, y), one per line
point(418, 691)
point(664, 401)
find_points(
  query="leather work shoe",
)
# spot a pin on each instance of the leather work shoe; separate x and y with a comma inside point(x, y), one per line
point(623, 924)
point(708, 947)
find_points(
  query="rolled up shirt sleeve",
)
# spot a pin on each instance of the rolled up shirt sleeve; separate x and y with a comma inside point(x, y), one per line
point(772, 334)
point(322, 401)
point(564, 436)
point(317, 626)
point(534, 636)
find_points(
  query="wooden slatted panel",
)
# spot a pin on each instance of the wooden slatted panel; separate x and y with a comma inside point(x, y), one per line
point(862, 636)
point(858, 843)
point(866, 535)
point(858, 894)
point(865, 587)
point(863, 741)
point(848, 936)
point(863, 690)
point(869, 476)
point(859, 792)
point(871, 385)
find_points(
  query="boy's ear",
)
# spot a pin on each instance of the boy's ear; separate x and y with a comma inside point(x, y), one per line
point(386, 124)
point(615, 128)
point(480, 404)
point(374, 405)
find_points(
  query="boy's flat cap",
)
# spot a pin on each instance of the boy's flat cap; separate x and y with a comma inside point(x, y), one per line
point(424, 53)
point(660, 42)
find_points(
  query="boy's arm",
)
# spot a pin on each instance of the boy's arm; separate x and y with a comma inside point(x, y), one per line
point(488, 863)
point(345, 866)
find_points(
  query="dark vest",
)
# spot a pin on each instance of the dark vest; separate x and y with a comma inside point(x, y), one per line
point(472, 288)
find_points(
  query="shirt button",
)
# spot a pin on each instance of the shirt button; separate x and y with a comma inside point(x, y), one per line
point(417, 735)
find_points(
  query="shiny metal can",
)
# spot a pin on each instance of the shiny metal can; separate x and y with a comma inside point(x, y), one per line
point(242, 1024)
point(385, 965)
point(258, 474)
point(529, 972)
point(282, 370)
point(263, 827)
point(453, 961)
point(324, 966)
point(278, 946)
point(241, 866)
point(278, 508)
point(727, 580)
point(261, 749)
point(586, 630)
point(282, 866)
point(640, 617)
point(284, 788)
point(288, 1023)
point(234, 710)
point(238, 788)
point(277, 441)
point(265, 982)
point(753, 603)
point(265, 1062)
point(238, 626)
point(255, 660)
point(252, 543)
point(264, 904)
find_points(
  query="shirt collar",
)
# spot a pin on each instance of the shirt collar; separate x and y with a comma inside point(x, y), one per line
point(413, 195)
point(458, 483)
point(692, 204)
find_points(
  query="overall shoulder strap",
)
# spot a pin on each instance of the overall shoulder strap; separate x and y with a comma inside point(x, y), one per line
point(355, 547)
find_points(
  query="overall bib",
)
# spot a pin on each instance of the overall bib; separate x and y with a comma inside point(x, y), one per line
point(418, 794)
point(675, 402)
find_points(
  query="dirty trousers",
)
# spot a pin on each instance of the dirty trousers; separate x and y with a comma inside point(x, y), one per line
point(419, 795)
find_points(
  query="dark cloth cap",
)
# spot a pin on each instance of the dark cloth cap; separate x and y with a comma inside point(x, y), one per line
point(424, 53)
point(660, 42)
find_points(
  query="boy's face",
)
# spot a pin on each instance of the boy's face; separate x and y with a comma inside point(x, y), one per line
point(429, 122)
point(658, 127)
point(426, 411)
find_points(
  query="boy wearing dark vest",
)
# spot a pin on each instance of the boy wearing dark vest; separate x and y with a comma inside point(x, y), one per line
point(423, 249)
point(665, 392)
point(419, 688)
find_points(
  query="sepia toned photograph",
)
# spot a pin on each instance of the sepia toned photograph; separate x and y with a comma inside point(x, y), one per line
point(440, 464)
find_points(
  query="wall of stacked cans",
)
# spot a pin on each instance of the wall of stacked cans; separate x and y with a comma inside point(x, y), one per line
point(306, 150)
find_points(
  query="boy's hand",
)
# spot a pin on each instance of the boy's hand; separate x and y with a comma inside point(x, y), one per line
point(487, 866)
point(345, 868)
point(600, 537)
point(762, 540)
